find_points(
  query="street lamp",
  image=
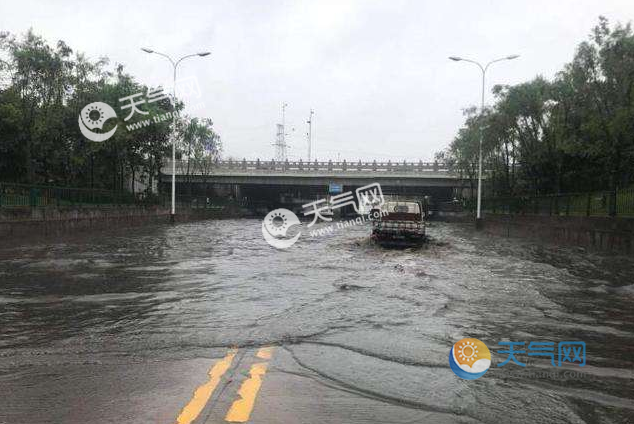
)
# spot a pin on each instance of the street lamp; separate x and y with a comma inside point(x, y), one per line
point(174, 65)
point(484, 71)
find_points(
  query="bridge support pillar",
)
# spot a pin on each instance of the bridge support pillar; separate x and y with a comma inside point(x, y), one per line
point(237, 193)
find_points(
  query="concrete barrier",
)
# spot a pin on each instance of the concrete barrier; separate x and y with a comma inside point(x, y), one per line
point(599, 233)
point(28, 223)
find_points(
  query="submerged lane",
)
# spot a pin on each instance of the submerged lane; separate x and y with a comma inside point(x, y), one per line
point(127, 327)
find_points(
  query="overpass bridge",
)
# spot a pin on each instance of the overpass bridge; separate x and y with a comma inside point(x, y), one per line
point(415, 174)
point(302, 180)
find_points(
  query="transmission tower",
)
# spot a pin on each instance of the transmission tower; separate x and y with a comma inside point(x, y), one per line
point(280, 139)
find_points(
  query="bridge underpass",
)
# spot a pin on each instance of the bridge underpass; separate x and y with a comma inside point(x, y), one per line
point(267, 185)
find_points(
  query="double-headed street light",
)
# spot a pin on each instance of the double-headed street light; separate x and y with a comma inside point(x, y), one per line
point(174, 65)
point(484, 71)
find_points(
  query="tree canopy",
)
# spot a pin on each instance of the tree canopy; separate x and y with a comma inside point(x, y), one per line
point(43, 88)
point(570, 134)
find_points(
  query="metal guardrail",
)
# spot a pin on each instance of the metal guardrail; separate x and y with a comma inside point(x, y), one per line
point(257, 166)
point(203, 202)
point(570, 204)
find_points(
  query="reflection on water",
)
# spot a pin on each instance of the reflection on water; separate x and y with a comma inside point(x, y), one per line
point(389, 317)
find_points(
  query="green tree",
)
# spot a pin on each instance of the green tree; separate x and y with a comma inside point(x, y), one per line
point(574, 133)
point(200, 146)
point(42, 92)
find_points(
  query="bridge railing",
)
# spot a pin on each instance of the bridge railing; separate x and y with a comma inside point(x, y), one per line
point(258, 166)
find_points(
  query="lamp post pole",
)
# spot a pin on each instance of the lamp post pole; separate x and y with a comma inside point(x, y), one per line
point(310, 134)
point(481, 129)
point(174, 66)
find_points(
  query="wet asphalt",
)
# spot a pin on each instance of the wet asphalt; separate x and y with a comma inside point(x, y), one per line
point(204, 322)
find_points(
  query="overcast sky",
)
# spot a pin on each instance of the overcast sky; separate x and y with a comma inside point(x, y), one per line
point(375, 72)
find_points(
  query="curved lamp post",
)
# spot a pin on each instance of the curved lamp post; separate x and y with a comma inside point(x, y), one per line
point(484, 71)
point(175, 66)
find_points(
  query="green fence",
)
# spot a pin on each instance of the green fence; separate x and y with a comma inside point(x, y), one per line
point(25, 196)
point(571, 204)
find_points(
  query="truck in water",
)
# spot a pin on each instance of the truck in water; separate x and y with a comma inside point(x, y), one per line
point(399, 224)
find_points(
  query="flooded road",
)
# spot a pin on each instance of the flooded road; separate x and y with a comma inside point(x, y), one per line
point(126, 327)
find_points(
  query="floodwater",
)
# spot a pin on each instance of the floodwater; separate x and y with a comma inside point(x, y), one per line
point(122, 327)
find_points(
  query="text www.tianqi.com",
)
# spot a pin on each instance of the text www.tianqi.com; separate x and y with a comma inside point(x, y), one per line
point(333, 228)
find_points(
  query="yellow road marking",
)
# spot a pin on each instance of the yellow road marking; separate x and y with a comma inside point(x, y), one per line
point(203, 392)
point(241, 409)
point(265, 352)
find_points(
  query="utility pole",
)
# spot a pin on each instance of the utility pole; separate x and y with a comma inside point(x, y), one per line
point(310, 132)
point(280, 140)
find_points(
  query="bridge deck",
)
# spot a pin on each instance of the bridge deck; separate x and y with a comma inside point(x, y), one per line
point(299, 168)
point(316, 173)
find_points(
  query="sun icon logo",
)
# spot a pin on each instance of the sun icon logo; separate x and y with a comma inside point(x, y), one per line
point(468, 351)
point(469, 359)
point(94, 115)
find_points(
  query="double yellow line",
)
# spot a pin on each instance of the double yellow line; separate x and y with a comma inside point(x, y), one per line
point(240, 410)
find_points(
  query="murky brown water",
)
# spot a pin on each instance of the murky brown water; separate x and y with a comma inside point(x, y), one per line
point(376, 322)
